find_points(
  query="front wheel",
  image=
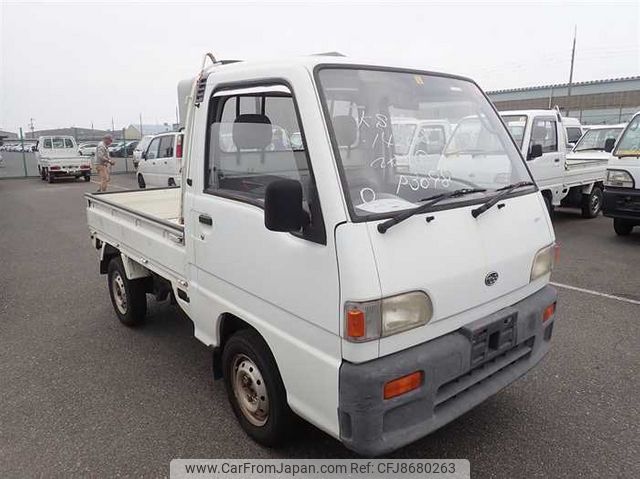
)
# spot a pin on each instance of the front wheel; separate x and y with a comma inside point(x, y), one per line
point(255, 389)
point(592, 203)
point(128, 297)
point(622, 227)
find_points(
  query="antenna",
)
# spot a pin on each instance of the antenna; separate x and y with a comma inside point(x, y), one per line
point(573, 56)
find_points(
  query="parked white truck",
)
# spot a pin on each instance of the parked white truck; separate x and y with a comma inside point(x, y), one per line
point(576, 182)
point(622, 187)
point(377, 305)
point(58, 157)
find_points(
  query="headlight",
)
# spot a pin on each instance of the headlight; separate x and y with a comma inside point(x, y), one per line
point(619, 179)
point(543, 262)
point(372, 319)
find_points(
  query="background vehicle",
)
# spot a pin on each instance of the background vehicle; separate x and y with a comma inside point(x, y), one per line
point(593, 145)
point(139, 148)
point(161, 162)
point(326, 286)
point(87, 149)
point(575, 182)
point(58, 157)
point(573, 130)
point(622, 186)
point(418, 143)
point(123, 149)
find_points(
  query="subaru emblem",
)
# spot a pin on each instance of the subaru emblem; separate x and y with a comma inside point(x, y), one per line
point(491, 278)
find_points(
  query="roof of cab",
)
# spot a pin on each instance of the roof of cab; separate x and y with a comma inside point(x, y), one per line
point(311, 61)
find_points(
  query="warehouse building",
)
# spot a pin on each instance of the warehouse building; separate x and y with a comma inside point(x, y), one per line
point(593, 102)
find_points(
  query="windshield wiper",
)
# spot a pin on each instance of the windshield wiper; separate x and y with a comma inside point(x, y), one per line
point(430, 201)
point(595, 148)
point(504, 191)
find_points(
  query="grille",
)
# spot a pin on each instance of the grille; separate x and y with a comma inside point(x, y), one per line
point(462, 385)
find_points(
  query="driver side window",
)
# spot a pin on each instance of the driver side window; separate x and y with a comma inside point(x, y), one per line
point(152, 152)
point(544, 133)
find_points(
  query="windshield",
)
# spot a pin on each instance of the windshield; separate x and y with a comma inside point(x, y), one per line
point(516, 125)
point(374, 114)
point(594, 139)
point(629, 143)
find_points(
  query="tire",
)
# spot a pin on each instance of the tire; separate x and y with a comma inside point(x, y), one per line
point(42, 175)
point(249, 368)
point(128, 297)
point(592, 203)
point(87, 177)
point(50, 178)
point(141, 183)
point(622, 227)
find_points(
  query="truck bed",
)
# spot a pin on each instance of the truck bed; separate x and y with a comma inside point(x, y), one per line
point(144, 225)
point(583, 171)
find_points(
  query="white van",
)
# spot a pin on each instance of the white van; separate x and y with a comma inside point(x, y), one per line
point(573, 131)
point(161, 162)
point(140, 148)
point(622, 187)
point(377, 304)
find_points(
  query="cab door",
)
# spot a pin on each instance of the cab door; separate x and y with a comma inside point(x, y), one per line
point(148, 167)
point(546, 169)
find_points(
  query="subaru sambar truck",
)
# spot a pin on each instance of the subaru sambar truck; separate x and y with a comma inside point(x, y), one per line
point(376, 303)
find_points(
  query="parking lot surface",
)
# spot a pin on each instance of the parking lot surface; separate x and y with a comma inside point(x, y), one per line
point(82, 395)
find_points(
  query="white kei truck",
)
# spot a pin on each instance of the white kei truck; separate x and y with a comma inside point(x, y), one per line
point(375, 304)
point(58, 157)
point(622, 187)
point(571, 182)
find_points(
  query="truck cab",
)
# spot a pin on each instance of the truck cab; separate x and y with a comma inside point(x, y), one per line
point(622, 186)
point(571, 182)
point(58, 157)
point(376, 303)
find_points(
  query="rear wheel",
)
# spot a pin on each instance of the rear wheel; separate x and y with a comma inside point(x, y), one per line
point(592, 203)
point(42, 175)
point(128, 297)
point(50, 177)
point(255, 389)
point(622, 227)
point(141, 182)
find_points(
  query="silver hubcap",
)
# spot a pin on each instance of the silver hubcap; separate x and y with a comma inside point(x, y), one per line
point(250, 391)
point(119, 293)
point(595, 203)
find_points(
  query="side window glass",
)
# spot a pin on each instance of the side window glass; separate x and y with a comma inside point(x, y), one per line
point(545, 134)
point(68, 143)
point(47, 143)
point(166, 147)
point(250, 144)
point(152, 152)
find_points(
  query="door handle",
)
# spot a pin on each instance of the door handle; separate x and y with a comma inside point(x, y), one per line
point(205, 220)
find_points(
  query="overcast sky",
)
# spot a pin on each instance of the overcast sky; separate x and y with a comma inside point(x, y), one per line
point(74, 64)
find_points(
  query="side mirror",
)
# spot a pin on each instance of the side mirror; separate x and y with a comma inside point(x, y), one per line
point(609, 144)
point(535, 152)
point(144, 155)
point(283, 206)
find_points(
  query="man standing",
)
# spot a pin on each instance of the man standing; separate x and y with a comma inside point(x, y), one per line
point(104, 161)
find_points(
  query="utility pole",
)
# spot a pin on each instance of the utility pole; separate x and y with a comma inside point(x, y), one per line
point(573, 56)
point(113, 127)
point(31, 126)
point(141, 134)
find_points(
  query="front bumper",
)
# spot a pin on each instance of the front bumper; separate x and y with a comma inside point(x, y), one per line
point(623, 203)
point(460, 371)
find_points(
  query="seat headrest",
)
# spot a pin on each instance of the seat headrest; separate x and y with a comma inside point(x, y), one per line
point(252, 131)
point(346, 130)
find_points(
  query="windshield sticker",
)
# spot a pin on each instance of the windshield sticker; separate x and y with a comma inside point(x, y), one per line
point(385, 205)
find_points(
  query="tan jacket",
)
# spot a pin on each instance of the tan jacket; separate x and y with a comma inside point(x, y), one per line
point(102, 155)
